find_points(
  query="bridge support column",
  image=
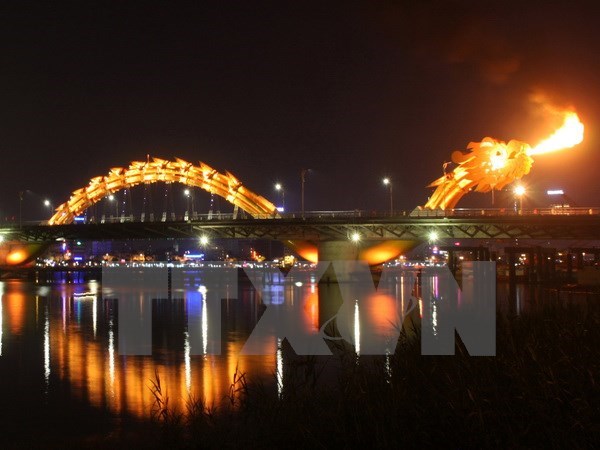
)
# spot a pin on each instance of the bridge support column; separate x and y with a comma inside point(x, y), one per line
point(569, 257)
point(336, 251)
point(579, 260)
point(539, 256)
point(330, 297)
point(452, 261)
point(512, 272)
point(531, 266)
point(552, 265)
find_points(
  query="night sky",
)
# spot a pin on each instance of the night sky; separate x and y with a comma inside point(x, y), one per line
point(353, 91)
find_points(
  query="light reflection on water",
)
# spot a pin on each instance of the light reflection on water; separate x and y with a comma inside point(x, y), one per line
point(74, 338)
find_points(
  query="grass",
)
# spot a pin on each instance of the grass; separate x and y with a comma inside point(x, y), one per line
point(541, 390)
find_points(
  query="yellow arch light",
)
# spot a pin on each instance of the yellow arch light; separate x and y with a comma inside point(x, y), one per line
point(202, 176)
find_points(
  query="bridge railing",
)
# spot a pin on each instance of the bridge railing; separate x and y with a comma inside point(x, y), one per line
point(343, 215)
point(495, 212)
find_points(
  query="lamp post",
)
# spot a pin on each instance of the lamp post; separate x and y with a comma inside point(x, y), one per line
point(20, 208)
point(519, 193)
point(279, 188)
point(187, 207)
point(303, 179)
point(48, 204)
point(112, 198)
point(387, 182)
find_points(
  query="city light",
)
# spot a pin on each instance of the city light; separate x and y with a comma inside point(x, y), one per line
point(355, 237)
point(386, 181)
point(555, 192)
point(1, 238)
point(520, 190)
point(278, 186)
point(433, 236)
point(111, 197)
point(203, 240)
point(186, 192)
point(47, 203)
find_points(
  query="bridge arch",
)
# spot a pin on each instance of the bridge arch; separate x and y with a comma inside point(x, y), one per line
point(157, 170)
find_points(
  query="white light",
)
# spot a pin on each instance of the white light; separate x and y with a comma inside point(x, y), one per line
point(1, 238)
point(555, 192)
point(280, 209)
point(186, 192)
point(386, 181)
point(520, 190)
point(111, 197)
point(278, 187)
point(203, 240)
point(46, 202)
point(356, 328)
point(433, 236)
point(298, 283)
point(355, 237)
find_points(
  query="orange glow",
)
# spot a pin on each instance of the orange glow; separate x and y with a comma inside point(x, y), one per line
point(498, 158)
point(567, 136)
point(14, 253)
point(374, 253)
point(15, 305)
point(382, 311)
point(386, 251)
point(16, 257)
point(305, 249)
point(311, 311)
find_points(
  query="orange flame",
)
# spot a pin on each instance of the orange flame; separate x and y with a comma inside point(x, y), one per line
point(567, 136)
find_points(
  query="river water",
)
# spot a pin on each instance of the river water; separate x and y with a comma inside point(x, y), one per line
point(59, 349)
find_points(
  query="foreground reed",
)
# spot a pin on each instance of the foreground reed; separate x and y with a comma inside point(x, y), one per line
point(541, 390)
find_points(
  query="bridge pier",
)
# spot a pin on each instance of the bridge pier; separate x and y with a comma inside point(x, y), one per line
point(336, 251)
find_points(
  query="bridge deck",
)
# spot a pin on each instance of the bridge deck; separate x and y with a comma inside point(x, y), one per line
point(328, 227)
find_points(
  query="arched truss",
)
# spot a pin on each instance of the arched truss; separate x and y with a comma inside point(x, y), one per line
point(159, 170)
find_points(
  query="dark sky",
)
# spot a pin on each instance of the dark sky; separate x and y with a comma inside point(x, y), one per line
point(353, 91)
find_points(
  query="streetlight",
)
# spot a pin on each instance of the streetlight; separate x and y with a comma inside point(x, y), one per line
point(203, 240)
point(303, 179)
point(20, 208)
point(112, 198)
point(519, 192)
point(279, 188)
point(387, 182)
point(48, 204)
point(187, 194)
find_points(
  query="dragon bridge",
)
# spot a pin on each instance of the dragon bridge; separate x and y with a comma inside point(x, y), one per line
point(157, 170)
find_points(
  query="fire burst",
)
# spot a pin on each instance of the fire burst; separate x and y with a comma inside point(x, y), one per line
point(492, 164)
